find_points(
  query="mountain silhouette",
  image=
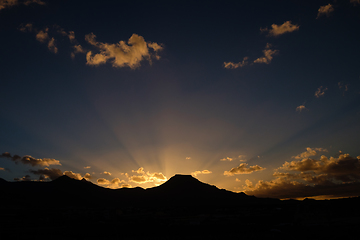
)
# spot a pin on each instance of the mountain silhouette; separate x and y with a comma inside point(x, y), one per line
point(178, 190)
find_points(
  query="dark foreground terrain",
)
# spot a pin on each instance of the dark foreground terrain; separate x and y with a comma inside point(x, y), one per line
point(181, 208)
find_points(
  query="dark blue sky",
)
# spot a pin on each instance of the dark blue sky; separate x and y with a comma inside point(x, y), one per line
point(148, 89)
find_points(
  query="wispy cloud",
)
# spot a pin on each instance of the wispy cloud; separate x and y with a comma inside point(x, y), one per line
point(320, 92)
point(325, 10)
point(200, 172)
point(277, 30)
point(122, 54)
point(301, 108)
point(310, 152)
point(231, 65)
point(268, 55)
point(243, 169)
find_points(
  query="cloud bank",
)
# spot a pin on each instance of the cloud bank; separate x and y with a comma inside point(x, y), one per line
point(309, 177)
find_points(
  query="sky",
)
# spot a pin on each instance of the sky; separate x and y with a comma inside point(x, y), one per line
point(261, 97)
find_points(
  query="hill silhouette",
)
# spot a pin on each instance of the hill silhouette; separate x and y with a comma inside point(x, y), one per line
point(181, 207)
point(177, 191)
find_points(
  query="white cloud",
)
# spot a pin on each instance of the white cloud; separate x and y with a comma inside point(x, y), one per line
point(325, 10)
point(277, 30)
point(122, 54)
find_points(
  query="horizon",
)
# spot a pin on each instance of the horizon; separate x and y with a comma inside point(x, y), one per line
point(256, 97)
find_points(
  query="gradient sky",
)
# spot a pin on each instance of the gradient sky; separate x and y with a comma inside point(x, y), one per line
point(254, 96)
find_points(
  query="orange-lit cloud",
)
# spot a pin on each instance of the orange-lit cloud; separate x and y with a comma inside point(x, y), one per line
point(310, 152)
point(325, 10)
point(45, 162)
point(201, 172)
point(231, 65)
point(226, 159)
point(277, 30)
point(11, 3)
point(87, 167)
point(107, 173)
point(146, 177)
point(268, 55)
point(333, 177)
point(320, 92)
point(243, 169)
point(114, 183)
point(301, 108)
point(122, 54)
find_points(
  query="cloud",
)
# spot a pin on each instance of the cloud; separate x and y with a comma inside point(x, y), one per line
point(87, 167)
point(201, 172)
point(277, 30)
point(268, 55)
point(139, 171)
point(331, 177)
point(231, 65)
point(51, 46)
point(26, 178)
point(107, 173)
point(243, 169)
point(226, 159)
point(301, 108)
point(343, 87)
point(2, 169)
point(320, 92)
point(45, 162)
point(355, 2)
point(325, 10)
point(42, 35)
point(11, 3)
point(122, 54)
point(146, 177)
point(114, 183)
point(309, 152)
point(52, 173)
point(188, 158)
